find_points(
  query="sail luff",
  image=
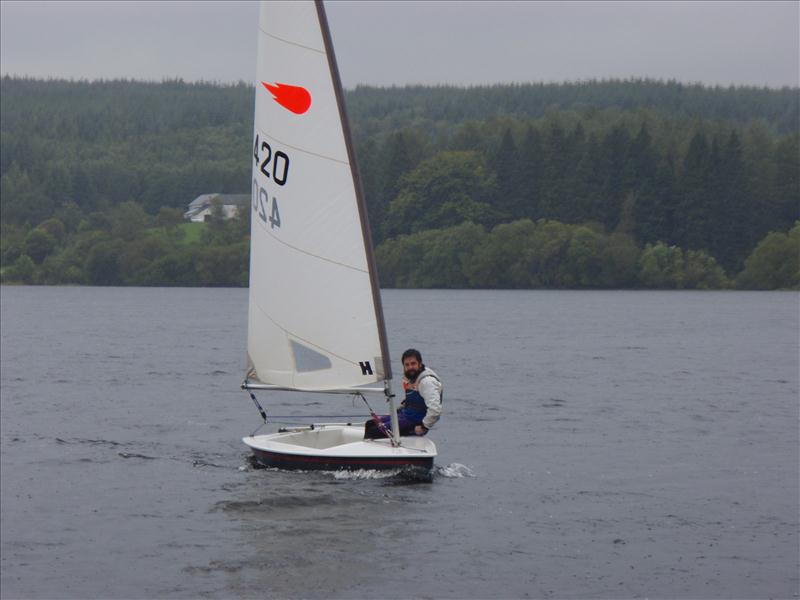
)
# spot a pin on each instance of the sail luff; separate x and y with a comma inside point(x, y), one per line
point(362, 205)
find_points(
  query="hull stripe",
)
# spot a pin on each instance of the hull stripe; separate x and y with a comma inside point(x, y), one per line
point(336, 463)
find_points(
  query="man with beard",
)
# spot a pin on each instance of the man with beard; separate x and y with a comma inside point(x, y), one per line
point(422, 405)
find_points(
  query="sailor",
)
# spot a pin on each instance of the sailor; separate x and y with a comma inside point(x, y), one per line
point(422, 405)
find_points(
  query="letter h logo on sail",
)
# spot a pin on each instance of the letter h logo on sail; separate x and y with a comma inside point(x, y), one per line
point(366, 369)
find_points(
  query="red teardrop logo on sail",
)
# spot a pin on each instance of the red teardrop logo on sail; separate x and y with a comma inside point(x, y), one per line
point(291, 97)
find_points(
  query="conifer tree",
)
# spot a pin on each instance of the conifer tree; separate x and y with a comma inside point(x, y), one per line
point(396, 160)
point(506, 164)
point(554, 168)
point(615, 154)
point(691, 214)
point(731, 221)
point(531, 173)
point(787, 182)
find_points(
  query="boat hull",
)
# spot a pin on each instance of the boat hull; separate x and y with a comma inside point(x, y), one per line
point(321, 463)
point(338, 448)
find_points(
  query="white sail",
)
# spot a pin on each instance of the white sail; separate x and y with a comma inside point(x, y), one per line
point(315, 319)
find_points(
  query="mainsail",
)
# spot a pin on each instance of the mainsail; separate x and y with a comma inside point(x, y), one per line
point(315, 320)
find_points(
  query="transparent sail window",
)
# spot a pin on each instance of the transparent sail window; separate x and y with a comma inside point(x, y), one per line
point(306, 359)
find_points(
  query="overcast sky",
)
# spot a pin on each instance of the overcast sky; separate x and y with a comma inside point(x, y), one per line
point(385, 43)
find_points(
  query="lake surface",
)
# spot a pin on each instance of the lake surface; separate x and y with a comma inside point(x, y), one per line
point(594, 445)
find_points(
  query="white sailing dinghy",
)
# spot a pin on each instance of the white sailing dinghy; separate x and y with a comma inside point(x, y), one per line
point(315, 321)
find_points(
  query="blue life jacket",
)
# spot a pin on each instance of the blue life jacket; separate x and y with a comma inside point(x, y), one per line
point(414, 404)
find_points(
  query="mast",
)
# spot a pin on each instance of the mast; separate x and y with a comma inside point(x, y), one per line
point(362, 211)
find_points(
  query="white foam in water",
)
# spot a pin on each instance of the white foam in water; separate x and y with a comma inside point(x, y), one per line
point(455, 470)
point(364, 474)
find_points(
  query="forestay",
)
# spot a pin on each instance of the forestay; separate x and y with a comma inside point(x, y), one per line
point(315, 318)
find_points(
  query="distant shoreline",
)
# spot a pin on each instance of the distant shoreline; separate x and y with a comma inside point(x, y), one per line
point(610, 184)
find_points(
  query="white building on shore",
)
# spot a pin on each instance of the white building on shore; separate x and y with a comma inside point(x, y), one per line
point(200, 208)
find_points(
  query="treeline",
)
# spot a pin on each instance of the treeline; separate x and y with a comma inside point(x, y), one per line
point(711, 171)
point(97, 144)
point(126, 246)
point(379, 109)
point(706, 186)
point(549, 254)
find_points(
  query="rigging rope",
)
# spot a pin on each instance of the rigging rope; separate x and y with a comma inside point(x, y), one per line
point(261, 410)
point(273, 418)
point(376, 419)
point(378, 422)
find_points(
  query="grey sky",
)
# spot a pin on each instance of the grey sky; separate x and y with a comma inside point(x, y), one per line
point(386, 43)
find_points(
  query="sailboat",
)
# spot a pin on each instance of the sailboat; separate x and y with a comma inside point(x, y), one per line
point(315, 318)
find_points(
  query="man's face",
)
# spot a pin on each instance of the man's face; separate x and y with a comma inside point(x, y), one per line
point(411, 367)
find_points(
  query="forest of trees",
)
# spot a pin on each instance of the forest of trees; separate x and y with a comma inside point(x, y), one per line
point(606, 184)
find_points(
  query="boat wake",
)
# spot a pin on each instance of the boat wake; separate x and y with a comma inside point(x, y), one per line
point(454, 470)
point(365, 474)
point(451, 471)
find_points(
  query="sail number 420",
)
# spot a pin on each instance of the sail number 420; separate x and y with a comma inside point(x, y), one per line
point(274, 166)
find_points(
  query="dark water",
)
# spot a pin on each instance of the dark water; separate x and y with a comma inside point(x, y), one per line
point(595, 445)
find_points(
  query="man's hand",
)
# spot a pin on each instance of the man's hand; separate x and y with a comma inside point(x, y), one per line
point(420, 430)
